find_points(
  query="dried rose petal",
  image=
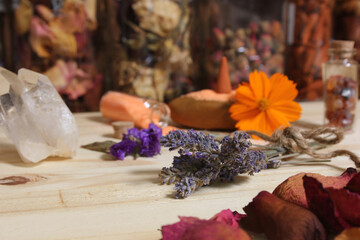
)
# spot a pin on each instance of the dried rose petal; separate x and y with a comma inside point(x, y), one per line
point(354, 184)
point(292, 189)
point(347, 203)
point(212, 230)
point(238, 216)
point(41, 37)
point(227, 216)
point(320, 203)
point(279, 219)
point(349, 234)
point(194, 228)
point(176, 230)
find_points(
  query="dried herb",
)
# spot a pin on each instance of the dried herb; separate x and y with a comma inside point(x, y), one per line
point(100, 146)
point(203, 160)
point(145, 142)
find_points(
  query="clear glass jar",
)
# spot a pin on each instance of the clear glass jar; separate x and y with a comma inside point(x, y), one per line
point(340, 76)
point(151, 52)
point(248, 33)
point(56, 38)
point(308, 26)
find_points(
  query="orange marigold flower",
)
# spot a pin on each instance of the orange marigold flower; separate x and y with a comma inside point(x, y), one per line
point(265, 104)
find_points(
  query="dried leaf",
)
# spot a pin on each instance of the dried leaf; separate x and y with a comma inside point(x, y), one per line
point(100, 146)
point(279, 219)
point(292, 189)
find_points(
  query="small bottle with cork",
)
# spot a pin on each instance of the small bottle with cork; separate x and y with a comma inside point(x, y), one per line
point(340, 76)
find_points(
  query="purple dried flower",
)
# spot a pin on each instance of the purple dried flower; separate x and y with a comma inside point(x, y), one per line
point(145, 142)
point(133, 133)
point(203, 160)
point(123, 148)
point(150, 141)
point(186, 186)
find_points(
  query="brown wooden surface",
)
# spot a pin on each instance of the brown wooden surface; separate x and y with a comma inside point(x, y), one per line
point(94, 197)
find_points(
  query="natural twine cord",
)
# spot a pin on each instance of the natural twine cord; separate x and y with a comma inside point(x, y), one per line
point(295, 140)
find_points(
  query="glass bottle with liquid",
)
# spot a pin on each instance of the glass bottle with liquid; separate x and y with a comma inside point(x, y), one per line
point(340, 76)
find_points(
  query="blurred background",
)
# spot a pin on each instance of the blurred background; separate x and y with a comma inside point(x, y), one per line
point(161, 49)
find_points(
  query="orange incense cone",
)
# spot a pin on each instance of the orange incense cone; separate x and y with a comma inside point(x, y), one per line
point(223, 84)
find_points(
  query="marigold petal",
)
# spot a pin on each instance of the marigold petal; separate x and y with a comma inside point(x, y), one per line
point(276, 119)
point(270, 128)
point(245, 95)
point(240, 111)
point(257, 123)
point(282, 88)
point(292, 110)
point(261, 123)
point(260, 84)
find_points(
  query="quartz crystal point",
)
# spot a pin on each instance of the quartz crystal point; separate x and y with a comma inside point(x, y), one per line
point(34, 117)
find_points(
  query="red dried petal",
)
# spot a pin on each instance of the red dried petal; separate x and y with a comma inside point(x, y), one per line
point(349, 234)
point(212, 230)
point(176, 230)
point(320, 203)
point(238, 216)
point(226, 216)
point(279, 219)
point(220, 227)
point(347, 203)
point(354, 184)
point(292, 189)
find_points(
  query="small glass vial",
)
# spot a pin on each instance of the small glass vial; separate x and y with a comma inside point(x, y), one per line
point(340, 76)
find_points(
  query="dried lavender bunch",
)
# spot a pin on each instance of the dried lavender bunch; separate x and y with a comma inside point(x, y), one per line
point(202, 160)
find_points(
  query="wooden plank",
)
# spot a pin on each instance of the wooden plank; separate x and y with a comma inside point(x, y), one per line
point(94, 197)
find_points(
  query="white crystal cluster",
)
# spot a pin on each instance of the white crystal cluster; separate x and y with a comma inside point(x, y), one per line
point(34, 117)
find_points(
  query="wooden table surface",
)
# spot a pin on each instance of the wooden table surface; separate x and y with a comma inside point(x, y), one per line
point(94, 197)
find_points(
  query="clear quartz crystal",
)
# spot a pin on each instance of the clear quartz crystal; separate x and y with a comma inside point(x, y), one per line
point(34, 116)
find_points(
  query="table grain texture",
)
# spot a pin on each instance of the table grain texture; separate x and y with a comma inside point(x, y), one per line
point(94, 197)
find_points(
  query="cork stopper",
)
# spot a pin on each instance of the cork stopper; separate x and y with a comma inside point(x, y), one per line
point(341, 44)
point(342, 49)
point(121, 127)
point(223, 84)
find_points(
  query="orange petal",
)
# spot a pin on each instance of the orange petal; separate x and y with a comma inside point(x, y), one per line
point(290, 109)
point(270, 128)
point(240, 111)
point(276, 119)
point(260, 84)
point(256, 123)
point(245, 95)
point(282, 88)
